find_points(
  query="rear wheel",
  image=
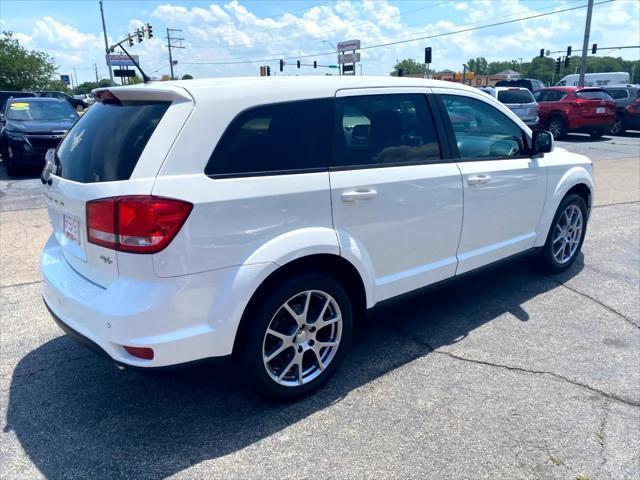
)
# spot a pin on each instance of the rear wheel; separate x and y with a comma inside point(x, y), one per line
point(296, 336)
point(618, 126)
point(596, 133)
point(12, 170)
point(566, 234)
point(556, 125)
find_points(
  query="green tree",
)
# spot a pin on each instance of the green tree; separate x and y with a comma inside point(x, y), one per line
point(57, 86)
point(410, 67)
point(21, 69)
point(186, 76)
point(478, 65)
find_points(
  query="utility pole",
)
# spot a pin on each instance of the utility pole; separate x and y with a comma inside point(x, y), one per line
point(106, 43)
point(75, 75)
point(95, 67)
point(171, 45)
point(585, 44)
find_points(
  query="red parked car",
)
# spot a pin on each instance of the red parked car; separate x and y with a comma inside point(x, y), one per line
point(574, 109)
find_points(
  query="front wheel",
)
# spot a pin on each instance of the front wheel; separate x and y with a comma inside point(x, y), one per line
point(296, 336)
point(566, 234)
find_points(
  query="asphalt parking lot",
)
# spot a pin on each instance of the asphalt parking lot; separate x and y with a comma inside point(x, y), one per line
point(506, 374)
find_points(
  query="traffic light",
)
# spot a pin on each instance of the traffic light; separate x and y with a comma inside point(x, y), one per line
point(427, 55)
point(262, 71)
point(542, 53)
point(268, 70)
point(594, 48)
point(566, 62)
point(558, 60)
point(298, 63)
point(315, 64)
point(129, 40)
point(569, 51)
point(149, 31)
point(140, 34)
point(281, 65)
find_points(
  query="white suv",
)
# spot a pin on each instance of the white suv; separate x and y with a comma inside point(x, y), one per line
point(259, 216)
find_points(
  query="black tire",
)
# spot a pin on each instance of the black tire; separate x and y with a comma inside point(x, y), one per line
point(596, 133)
point(259, 318)
point(546, 257)
point(12, 170)
point(618, 127)
point(557, 126)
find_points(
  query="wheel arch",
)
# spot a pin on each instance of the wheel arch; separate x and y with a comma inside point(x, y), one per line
point(328, 263)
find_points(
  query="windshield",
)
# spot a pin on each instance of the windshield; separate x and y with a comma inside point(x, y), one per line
point(593, 95)
point(515, 96)
point(107, 141)
point(24, 110)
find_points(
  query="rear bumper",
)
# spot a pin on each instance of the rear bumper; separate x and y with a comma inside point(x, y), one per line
point(588, 124)
point(183, 319)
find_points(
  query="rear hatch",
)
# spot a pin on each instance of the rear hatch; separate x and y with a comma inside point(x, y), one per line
point(594, 102)
point(521, 102)
point(115, 149)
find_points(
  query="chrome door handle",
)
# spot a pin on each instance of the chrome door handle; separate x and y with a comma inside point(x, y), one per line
point(478, 179)
point(356, 195)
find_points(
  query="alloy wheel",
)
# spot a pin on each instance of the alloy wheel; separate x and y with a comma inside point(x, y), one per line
point(616, 128)
point(302, 338)
point(567, 234)
point(555, 127)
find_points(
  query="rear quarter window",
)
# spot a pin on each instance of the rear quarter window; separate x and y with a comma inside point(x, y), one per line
point(619, 93)
point(276, 138)
point(593, 95)
point(106, 143)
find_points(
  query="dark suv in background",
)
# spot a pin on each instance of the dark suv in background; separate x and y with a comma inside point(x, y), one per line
point(530, 84)
point(626, 118)
point(77, 103)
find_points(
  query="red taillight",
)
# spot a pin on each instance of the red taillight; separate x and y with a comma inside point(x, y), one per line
point(141, 352)
point(106, 96)
point(135, 224)
point(633, 107)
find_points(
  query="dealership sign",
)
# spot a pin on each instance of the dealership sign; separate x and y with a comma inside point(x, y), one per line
point(118, 60)
point(348, 45)
point(349, 58)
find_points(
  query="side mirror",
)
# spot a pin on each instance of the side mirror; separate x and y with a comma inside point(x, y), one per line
point(542, 141)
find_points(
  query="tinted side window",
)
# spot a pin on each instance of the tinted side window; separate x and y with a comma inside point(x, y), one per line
point(275, 138)
point(481, 130)
point(384, 130)
point(617, 94)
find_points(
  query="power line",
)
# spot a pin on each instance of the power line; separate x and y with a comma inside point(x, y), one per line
point(398, 42)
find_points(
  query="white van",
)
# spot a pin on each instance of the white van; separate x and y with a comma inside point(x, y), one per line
point(595, 79)
point(258, 217)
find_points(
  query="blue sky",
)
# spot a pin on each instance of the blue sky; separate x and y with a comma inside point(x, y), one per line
point(218, 33)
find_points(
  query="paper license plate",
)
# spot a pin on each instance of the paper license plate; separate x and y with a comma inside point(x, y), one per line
point(71, 228)
point(601, 110)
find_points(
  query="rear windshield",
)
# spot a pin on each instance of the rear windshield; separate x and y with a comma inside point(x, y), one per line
point(106, 143)
point(593, 95)
point(515, 96)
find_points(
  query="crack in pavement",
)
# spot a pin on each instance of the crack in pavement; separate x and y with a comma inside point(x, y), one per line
point(33, 282)
point(611, 309)
point(631, 202)
point(601, 434)
point(431, 349)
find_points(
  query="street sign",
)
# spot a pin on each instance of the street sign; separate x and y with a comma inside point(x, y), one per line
point(349, 58)
point(121, 60)
point(348, 45)
point(66, 79)
point(124, 73)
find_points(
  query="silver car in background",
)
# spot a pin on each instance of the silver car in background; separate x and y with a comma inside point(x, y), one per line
point(518, 99)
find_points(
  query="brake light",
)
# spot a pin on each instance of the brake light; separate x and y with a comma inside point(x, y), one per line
point(135, 224)
point(634, 107)
point(106, 96)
